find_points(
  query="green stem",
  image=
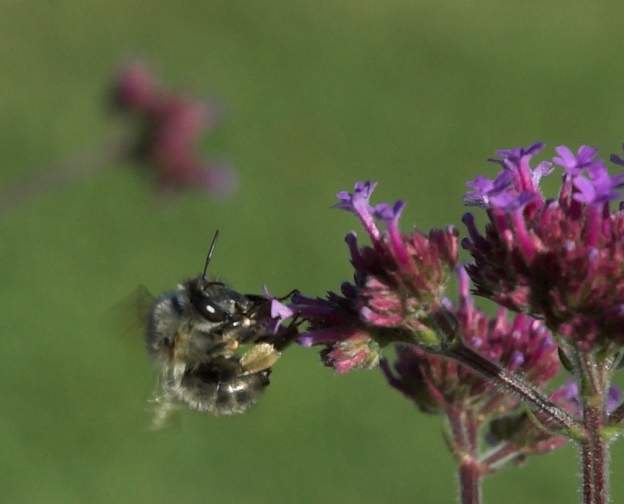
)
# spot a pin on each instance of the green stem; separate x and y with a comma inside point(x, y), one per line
point(594, 381)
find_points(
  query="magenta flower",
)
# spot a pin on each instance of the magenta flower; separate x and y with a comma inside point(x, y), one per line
point(398, 285)
point(334, 323)
point(573, 164)
point(435, 383)
point(472, 404)
point(558, 259)
point(399, 279)
point(170, 127)
point(516, 184)
point(136, 88)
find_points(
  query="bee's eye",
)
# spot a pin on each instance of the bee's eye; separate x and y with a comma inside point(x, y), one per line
point(210, 311)
point(204, 304)
point(207, 308)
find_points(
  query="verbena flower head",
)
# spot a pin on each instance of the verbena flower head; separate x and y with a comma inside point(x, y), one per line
point(559, 259)
point(136, 88)
point(170, 127)
point(398, 286)
point(434, 383)
point(334, 323)
point(400, 278)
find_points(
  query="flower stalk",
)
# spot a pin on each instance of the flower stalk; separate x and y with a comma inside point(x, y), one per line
point(594, 455)
point(469, 481)
point(463, 443)
point(552, 415)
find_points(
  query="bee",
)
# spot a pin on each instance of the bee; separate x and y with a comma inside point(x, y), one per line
point(211, 345)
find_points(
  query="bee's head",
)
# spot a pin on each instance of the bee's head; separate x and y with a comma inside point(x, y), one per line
point(215, 302)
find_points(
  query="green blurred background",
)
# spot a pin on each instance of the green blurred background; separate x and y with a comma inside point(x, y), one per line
point(414, 94)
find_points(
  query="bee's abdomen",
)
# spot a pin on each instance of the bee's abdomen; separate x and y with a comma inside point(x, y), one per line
point(220, 388)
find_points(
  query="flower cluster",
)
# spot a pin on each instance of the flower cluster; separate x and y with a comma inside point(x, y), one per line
point(440, 385)
point(398, 287)
point(559, 259)
point(558, 262)
point(400, 279)
point(170, 126)
point(435, 383)
point(334, 323)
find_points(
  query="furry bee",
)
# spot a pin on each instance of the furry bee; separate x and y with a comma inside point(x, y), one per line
point(211, 345)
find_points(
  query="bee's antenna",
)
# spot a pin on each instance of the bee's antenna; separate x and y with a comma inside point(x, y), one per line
point(210, 251)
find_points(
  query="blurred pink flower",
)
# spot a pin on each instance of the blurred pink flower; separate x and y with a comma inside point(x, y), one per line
point(170, 125)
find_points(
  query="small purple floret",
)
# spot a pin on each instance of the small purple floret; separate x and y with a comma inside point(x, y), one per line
point(358, 203)
point(389, 213)
point(510, 202)
point(597, 191)
point(484, 189)
point(542, 170)
point(574, 164)
point(516, 153)
point(280, 311)
point(515, 185)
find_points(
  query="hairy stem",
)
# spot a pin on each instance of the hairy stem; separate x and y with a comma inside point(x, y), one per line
point(469, 482)
point(587, 467)
point(556, 417)
point(594, 378)
point(463, 430)
point(498, 457)
point(594, 459)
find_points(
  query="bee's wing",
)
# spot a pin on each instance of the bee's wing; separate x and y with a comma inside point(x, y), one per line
point(129, 318)
point(130, 315)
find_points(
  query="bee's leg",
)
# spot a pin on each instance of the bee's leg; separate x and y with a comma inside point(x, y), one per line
point(286, 335)
point(162, 412)
point(230, 347)
point(286, 296)
point(163, 405)
point(259, 357)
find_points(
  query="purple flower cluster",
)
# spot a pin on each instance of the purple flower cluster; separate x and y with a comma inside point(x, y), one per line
point(558, 262)
point(334, 323)
point(559, 259)
point(399, 283)
point(170, 126)
point(399, 279)
point(435, 383)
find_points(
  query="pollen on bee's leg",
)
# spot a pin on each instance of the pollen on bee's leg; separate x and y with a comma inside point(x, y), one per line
point(231, 346)
point(177, 370)
point(259, 357)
